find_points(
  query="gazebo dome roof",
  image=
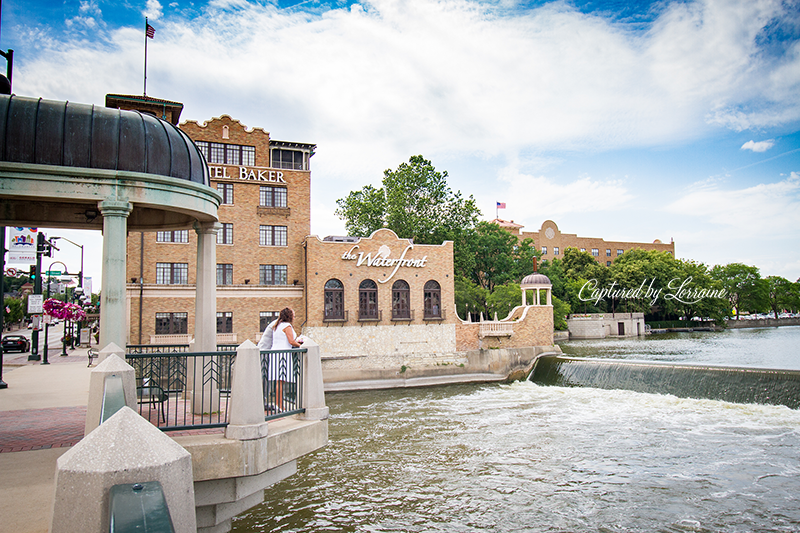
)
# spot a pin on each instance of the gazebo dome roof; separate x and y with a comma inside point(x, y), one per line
point(535, 279)
point(47, 132)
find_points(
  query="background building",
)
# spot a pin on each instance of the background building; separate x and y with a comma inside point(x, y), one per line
point(265, 186)
point(552, 243)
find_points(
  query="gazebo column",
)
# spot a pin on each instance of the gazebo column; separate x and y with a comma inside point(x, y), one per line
point(205, 392)
point(113, 316)
point(550, 297)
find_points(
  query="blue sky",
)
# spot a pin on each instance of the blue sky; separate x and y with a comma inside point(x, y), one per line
point(622, 120)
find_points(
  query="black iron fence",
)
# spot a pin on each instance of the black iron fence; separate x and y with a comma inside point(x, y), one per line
point(178, 390)
point(181, 389)
point(282, 377)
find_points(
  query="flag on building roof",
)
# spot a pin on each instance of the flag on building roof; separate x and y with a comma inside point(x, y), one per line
point(150, 31)
point(501, 205)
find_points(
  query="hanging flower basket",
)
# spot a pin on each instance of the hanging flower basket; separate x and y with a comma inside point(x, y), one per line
point(63, 310)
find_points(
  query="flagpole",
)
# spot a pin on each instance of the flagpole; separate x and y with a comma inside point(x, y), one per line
point(145, 57)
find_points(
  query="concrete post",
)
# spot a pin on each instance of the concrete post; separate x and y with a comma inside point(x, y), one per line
point(112, 365)
point(205, 397)
point(111, 348)
point(246, 405)
point(313, 387)
point(205, 310)
point(113, 316)
point(124, 449)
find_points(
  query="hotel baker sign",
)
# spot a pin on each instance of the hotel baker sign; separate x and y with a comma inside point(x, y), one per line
point(247, 173)
point(382, 258)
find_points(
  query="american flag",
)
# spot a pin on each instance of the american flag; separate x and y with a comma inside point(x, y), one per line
point(501, 205)
point(150, 31)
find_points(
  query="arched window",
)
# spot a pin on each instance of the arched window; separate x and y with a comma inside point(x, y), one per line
point(368, 300)
point(334, 300)
point(433, 300)
point(401, 295)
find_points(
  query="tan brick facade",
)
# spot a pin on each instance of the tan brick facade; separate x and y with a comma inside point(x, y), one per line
point(550, 240)
point(245, 298)
point(422, 263)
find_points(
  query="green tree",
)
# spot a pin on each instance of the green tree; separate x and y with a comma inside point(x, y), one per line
point(416, 203)
point(470, 298)
point(503, 299)
point(744, 286)
point(14, 311)
point(780, 293)
point(560, 311)
point(493, 248)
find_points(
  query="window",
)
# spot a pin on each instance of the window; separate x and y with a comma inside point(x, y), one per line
point(265, 318)
point(432, 296)
point(619, 252)
point(272, 275)
point(291, 159)
point(225, 235)
point(608, 252)
point(595, 252)
point(401, 295)
point(225, 322)
point(544, 250)
point(608, 263)
point(181, 235)
point(583, 249)
point(226, 191)
point(272, 196)
point(555, 250)
point(334, 300)
point(172, 323)
point(368, 300)
point(172, 273)
point(272, 235)
point(225, 274)
point(227, 154)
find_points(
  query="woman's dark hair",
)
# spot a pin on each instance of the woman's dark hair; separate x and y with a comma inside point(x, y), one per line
point(284, 316)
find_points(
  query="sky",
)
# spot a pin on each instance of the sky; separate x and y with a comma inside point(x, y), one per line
point(629, 121)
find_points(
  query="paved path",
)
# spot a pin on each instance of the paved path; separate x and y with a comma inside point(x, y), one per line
point(42, 414)
point(36, 429)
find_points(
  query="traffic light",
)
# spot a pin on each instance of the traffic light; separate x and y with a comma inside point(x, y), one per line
point(32, 274)
point(43, 246)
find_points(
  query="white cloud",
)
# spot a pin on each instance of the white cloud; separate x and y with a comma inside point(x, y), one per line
point(760, 146)
point(153, 10)
point(764, 211)
point(540, 198)
point(395, 78)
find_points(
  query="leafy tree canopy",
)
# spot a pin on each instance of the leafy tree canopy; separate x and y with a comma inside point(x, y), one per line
point(415, 202)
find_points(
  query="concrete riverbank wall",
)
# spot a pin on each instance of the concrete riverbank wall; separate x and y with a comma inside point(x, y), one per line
point(375, 356)
point(762, 323)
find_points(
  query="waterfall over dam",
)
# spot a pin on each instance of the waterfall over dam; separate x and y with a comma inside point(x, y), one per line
point(727, 383)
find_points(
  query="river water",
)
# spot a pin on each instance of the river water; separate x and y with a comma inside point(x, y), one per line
point(525, 457)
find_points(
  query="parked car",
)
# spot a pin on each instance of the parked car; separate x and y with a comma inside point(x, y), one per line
point(16, 343)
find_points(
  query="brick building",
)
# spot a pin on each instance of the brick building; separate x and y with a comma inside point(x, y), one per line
point(552, 243)
point(264, 215)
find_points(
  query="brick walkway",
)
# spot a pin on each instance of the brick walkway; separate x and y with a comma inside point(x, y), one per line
point(37, 429)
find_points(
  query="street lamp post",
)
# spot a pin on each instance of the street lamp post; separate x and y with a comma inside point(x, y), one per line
point(80, 284)
point(47, 324)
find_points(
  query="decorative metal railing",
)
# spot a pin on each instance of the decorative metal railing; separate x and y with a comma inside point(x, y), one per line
point(179, 390)
point(183, 390)
point(282, 377)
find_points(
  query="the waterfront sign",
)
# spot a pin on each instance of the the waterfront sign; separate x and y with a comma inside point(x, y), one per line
point(381, 259)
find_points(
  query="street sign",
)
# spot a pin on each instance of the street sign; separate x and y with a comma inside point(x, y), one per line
point(53, 272)
point(11, 272)
point(35, 303)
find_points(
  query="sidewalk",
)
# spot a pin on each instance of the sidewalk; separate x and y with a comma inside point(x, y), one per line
point(42, 413)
